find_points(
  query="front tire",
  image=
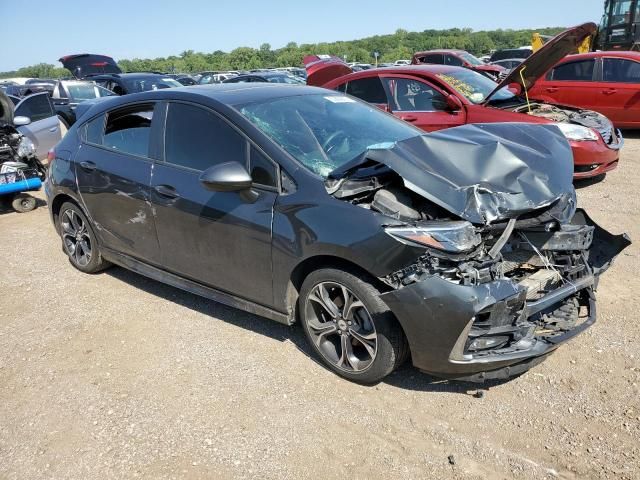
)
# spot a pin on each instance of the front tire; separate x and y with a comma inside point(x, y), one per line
point(349, 327)
point(78, 240)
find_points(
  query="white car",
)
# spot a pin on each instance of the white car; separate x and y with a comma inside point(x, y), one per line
point(35, 117)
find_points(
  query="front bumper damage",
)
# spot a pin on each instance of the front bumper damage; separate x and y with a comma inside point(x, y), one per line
point(451, 327)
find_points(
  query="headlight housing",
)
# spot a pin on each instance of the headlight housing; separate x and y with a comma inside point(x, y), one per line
point(26, 148)
point(577, 132)
point(452, 237)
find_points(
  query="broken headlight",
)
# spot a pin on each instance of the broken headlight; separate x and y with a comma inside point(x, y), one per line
point(26, 148)
point(454, 237)
point(577, 132)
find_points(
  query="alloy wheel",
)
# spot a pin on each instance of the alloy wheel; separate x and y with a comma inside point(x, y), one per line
point(341, 327)
point(75, 237)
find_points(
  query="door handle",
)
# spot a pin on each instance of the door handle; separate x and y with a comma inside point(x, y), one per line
point(90, 166)
point(610, 91)
point(53, 129)
point(166, 191)
point(552, 89)
point(409, 118)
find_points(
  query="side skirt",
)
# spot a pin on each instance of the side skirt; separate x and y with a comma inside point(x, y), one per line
point(193, 287)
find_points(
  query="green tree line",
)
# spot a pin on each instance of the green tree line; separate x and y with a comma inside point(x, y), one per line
point(399, 45)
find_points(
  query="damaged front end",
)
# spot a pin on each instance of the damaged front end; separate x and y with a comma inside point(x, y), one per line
point(574, 116)
point(509, 266)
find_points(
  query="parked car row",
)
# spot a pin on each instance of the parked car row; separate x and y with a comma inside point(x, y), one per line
point(462, 249)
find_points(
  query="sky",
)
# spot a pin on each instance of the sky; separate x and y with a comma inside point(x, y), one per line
point(144, 29)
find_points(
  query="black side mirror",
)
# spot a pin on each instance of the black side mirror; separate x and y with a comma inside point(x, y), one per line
point(226, 177)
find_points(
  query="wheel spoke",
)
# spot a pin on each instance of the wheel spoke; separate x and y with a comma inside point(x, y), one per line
point(86, 249)
point(320, 295)
point(75, 220)
point(348, 300)
point(78, 253)
point(320, 332)
point(368, 341)
point(67, 224)
point(345, 347)
point(350, 312)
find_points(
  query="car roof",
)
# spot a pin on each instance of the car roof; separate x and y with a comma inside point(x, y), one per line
point(125, 75)
point(425, 69)
point(442, 50)
point(608, 53)
point(229, 94)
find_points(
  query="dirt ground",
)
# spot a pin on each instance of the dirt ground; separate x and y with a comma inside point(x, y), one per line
point(117, 376)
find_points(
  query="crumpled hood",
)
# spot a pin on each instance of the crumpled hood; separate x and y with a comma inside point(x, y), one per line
point(6, 109)
point(482, 173)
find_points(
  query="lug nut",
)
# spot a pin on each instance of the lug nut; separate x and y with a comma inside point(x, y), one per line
point(349, 322)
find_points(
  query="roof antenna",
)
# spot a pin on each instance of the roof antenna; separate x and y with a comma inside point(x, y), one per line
point(526, 90)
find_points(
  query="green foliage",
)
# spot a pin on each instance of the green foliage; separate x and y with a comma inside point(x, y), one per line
point(399, 45)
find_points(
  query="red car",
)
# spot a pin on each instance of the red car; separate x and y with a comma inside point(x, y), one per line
point(607, 82)
point(457, 58)
point(434, 97)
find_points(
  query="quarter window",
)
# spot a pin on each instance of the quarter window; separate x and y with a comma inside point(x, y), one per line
point(128, 130)
point(574, 71)
point(368, 89)
point(414, 96)
point(263, 171)
point(618, 70)
point(36, 107)
point(95, 131)
point(198, 139)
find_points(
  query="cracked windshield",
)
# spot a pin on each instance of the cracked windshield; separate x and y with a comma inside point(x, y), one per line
point(323, 132)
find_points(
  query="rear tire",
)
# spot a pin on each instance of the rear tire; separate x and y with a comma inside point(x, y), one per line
point(349, 327)
point(23, 202)
point(79, 240)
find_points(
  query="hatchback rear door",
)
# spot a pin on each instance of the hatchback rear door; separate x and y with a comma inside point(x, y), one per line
point(44, 129)
point(113, 171)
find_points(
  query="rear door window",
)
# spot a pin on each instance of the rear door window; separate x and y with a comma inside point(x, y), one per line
point(619, 70)
point(433, 58)
point(128, 130)
point(452, 60)
point(368, 89)
point(36, 107)
point(581, 71)
point(196, 138)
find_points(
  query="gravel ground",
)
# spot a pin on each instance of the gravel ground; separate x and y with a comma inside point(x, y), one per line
point(116, 376)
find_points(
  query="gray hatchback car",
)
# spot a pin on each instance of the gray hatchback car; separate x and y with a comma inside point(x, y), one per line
point(461, 249)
